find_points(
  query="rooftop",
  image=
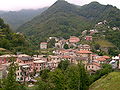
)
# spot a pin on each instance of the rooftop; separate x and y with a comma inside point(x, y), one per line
point(84, 52)
point(101, 59)
point(25, 58)
point(43, 43)
point(106, 57)
point(39, 61)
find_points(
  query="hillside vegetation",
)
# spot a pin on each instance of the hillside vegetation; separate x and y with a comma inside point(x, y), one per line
point(63, 19)
point(104, 43)
point(17, 18)
point(59, 20)
point(10, 41)
point(107, 82)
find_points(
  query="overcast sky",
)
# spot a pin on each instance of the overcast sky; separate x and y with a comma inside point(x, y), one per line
point(34, 4)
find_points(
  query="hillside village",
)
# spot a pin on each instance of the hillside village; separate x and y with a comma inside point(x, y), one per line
point(62, 49)
point(66, 47)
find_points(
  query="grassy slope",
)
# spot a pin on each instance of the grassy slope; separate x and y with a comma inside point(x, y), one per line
point(104, 43)
point(109, 82)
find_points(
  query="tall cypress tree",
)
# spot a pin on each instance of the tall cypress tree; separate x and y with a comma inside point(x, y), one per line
point(10, 82)
point(83, 78)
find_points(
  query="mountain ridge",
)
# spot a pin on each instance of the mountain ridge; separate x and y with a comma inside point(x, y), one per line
point(63, 19)
point(17, 18)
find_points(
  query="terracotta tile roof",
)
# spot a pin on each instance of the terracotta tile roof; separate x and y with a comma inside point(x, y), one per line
point(64, 51)
point(43, 43)
point(84, 52)
point(66, 56)
point(101, 59)
point(74, 39)
point(106, 57)
point(94, 63)
point(94, 55)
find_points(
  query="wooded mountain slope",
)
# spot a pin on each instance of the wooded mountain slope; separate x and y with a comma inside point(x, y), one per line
point(17, 18)
point(63, 19)
point(11, 41)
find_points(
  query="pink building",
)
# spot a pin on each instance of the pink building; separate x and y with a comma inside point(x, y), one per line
point(71, 59)
point(23, 72)
point(6, 58)
point(100, 60)
point(74, 39)
point(93, 66)
point(26, 60)
point(3, 60)
point(40, 65)
point(84, 47)
point(84, 53)
point(88, 38)
point(43, 45)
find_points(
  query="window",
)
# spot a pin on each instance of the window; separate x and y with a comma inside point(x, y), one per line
point(18, 73)
point(21, 78)
point(36, 68)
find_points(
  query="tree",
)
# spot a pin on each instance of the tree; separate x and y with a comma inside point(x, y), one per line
point(77, 77)
point(113, 51)
point(63, 64)
point(71, 76)
point(106, 69)
point(66, 46)
point(57, 80)
point(10, 82)
point(44, 74)
point(83, 78)
point(51, 43)
point(97, 46)
point(42, 85)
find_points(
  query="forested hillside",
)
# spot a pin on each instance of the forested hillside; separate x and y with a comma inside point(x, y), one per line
point(60, 20)
point(63, 19)
point(14, 42)
point(97, 12)
point(17, 18)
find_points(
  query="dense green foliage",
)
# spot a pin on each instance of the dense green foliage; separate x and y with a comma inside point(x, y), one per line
point(63, 65)
point(106, 69)
point(44, 74)
point(114, 37)
point(51, 43)
point(71, 77)
point(98, 12)
point(106, 40)
point(12, 41)
point(17, 18)
point(66, 46)
point(10, 82)
point(63, 19)
point(59, 20)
